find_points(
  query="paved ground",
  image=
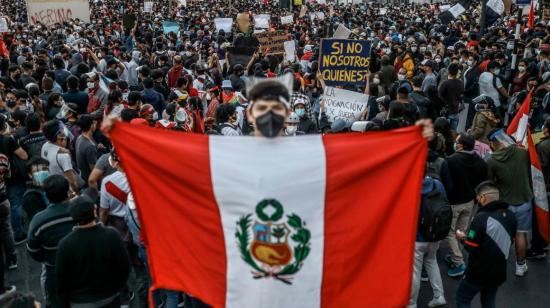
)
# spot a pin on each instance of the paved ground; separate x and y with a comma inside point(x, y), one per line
point(530, 291)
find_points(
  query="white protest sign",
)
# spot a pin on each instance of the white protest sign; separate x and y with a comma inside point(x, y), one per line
point(321, 2)
point(183, 2)
point(444, 7)
point(318, 15)
point(341, 32)
point(344, 104)
point(261, 21)
point(223, 24)
point(3, 25)
point(147, 7)
point(290, 49)
point(285, 20)
point(457, 10)
point(382, 11)
point(49, 12)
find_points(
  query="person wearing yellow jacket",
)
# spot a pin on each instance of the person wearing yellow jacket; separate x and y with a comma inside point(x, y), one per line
point(408, 64)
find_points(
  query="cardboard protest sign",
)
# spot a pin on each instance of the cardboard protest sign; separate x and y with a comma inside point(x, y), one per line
point(3, 25)
point(344, 62)
point(341, 32)
point(50, 12)
point(224, 24)
point(128, 21)
point(344, 104)
point(303, 11)
point(147, 7)
point(170, 26)
point(285, 20)
point(274, 41)
point(261, 21)
point(290, 50)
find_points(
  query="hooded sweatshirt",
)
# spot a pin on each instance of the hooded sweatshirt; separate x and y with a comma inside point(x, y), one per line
point(509, 168)
point(467, 170)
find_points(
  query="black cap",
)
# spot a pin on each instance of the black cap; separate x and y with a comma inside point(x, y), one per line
point(82, 210)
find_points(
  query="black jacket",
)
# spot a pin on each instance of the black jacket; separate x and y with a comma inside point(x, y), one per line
point(92, 264)
point(307, 126)
point(488, 241)
point(467, 170)
point(424, 104)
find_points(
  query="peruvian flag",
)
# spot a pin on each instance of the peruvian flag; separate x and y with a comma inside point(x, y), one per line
point(519, 129)
point(311, 221)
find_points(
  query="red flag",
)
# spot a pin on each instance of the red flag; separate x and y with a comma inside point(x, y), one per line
point(519, 125)
point(254, 222)
point(519, 129)
point(531, 20)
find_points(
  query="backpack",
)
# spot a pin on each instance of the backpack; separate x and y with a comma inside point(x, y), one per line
point(435, 217)
point(433, 168)
point(5, 171)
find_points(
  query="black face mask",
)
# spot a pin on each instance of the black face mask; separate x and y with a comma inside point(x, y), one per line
point(270, 124)
point(10, 103)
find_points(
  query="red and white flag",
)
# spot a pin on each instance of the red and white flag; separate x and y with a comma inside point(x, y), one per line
point(311, 221)
point(519, 130)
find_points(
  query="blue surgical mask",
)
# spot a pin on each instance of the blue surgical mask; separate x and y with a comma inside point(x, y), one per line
point(300, 112)
point(40, 176)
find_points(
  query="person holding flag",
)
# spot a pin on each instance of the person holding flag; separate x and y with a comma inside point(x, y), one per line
point(508, 168)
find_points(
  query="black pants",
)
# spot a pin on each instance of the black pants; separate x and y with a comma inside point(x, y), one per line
point(2, 286)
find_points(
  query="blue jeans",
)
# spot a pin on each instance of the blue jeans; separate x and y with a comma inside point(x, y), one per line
point(467, 291)
point(171, 296)
point(15, 195)
point(453, 120)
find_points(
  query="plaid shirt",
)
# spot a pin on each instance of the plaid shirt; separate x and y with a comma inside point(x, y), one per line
point(299, 95)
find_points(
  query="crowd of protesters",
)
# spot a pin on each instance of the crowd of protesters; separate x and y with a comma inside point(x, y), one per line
point(61, 184)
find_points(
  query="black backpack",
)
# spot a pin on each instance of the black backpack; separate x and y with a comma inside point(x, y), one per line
point(435, 217)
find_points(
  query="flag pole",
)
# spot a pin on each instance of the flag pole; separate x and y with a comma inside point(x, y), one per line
point(482, 17)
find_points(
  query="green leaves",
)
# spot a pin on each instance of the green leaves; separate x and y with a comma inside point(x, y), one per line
point(294, 221)
point(278, 233)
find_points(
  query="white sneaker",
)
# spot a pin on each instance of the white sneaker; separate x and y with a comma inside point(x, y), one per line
point(437, 302)
point(7, 291)
point(521, 269)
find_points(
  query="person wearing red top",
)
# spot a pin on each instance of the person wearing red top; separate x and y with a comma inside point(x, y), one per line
point(175, 72)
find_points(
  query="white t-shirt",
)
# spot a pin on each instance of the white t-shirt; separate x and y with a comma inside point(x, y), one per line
point(114, 194)
point(486, 87)
point(59, 162)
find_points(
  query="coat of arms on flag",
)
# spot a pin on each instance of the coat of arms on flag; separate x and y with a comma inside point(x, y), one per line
point(269, 245)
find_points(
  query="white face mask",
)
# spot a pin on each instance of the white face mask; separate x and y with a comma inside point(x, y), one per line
point(155, 116)
point(401, 77)
point(422, 49)
point(375, 81)
point(521, 68)
point(291, 130)
point(470, 62)
point(414, 49)
point(208, 96)
point(91, 85)
point(437, 60)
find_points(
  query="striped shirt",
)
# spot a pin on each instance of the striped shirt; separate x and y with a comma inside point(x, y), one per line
point(46, 229)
